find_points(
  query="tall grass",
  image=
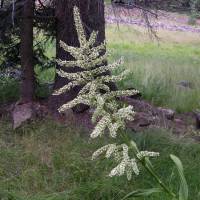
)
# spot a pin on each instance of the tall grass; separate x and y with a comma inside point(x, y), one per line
point(44, 160)
point(157, 68)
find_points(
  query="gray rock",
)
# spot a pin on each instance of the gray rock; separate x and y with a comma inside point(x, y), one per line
point(21, 113)
point(143, 119)
point(185, 84)
point(197, 116)
point(168, 113)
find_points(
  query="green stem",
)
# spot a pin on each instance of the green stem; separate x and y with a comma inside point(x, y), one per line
point(156, 177)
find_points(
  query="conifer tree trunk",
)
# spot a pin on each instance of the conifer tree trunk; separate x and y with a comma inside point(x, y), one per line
point(92, 14)
point(28, 78)
point(2, 2)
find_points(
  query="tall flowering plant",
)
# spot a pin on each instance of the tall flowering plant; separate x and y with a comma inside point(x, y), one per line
point(110, 116)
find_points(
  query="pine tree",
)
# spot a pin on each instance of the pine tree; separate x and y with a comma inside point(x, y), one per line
point(28, 79)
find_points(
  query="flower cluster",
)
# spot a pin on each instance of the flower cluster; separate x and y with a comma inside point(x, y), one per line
point(108, 114)
point(121, 154)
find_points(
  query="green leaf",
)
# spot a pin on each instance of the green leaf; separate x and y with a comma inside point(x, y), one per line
point(148, 164)
point(183, 191)
point(8, 195)
point(142, 192)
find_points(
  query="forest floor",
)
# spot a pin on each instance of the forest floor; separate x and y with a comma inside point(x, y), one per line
point(165, 68)
point(44, 160)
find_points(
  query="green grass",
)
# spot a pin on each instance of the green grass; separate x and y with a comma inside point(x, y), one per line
point(9, 90)
point(44, 160)
point(157, 68)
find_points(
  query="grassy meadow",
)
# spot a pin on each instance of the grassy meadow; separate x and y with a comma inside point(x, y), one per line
point(47, 161)
point(158, 66)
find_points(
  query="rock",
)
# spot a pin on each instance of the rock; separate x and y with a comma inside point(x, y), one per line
point(168, 113)
point(178, 121)
point(196, 138)
point(180, 127)
point(197, 116)
point(142, 119)
point(21, 113)
point(185, 84)
point(80, 108)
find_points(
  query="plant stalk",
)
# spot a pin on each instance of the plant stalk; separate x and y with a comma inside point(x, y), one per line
point(156, 177)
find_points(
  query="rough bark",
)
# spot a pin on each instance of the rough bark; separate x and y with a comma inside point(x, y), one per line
point(2, 2)
point(28, 78)
point(92, 14)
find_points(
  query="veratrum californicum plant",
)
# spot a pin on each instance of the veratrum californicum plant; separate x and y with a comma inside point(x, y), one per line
point(91, 58)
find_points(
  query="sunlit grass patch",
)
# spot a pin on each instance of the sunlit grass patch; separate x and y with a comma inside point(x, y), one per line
point(157, 68)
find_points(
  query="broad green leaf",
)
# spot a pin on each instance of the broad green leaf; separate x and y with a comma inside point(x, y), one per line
point(142, 192)
point(183, 191)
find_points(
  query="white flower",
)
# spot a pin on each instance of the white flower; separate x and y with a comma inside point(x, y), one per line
point(125, 113)
point(98, 152)
point(113, 128)
point(109, 149)
point(134, 166)
point(80, 99)
point(126, 166)
point(143, 154)
point(101, 126)
point(119, 170)
point(79, 27)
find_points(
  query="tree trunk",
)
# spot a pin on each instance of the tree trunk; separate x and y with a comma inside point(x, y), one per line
point(28, 78)
point(2, 2)
point(92, 14)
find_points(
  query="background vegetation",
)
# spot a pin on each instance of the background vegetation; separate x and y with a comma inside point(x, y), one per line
point(44, 160)
point(157, 67)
